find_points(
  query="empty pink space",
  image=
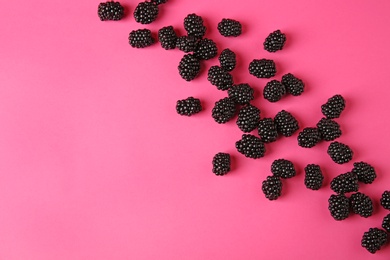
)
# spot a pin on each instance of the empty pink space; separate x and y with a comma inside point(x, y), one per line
point(96, 164)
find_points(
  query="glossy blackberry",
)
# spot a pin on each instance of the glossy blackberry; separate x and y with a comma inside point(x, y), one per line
point(338, 206)
point(187, 43)
point(364, 171)
point(248, 118)
point(286, 124)
point(313, 177)
point(340, 153)
point(262, 68)
point(227, 59)
point(333, 107)
point(274, 91)
point(329, 129)
point(283, 168)
point(167, 37)
point(188, 107)
point(223, 110)
point(206, 49)
point(219, 78)
point(267, 130)
point(272, 187)
point(250, 146)
point(374, 239)
point(241, 93)
point(194, 26)
point(294, 85)
point(361, 204)
point(221, 163)
point(386, 223)
point(309, 137)
point(110, 11)
point(385, 199)
point(229, 28)
point(344, 183)
point(145, 12)
point(275, 41)
point(141, 38)
point(159, 2)
point(189, 67)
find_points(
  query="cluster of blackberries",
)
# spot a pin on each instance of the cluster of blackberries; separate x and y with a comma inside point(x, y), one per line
point(272, 185)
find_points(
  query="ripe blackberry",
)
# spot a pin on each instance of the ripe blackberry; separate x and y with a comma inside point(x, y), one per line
point(343, 183)
point(285, 123)
point(339, 152)
point(283, 168)
point(159, 2)
point(267, 130)
point(361, 204)
point(274, 91)
point(250, 146)
point(241, 93)
point(223, 110)
point(333, 107)
point(145, 12)
point(313, 177)
point(262, 68)
point(221, 163)
point(189, 67)
point(385, 199)
point(187, 43)
point(309, 137)
point(193, 24)
point(275, 41)
point(329, 129)
point(188, 107)
point(293, 85)
point(219, 78)
point(364, 171)
point(386, 223)
point(110, 11)
point(374, 239)
point(338, 206)
point(206, 49)
point(141, 38)
point(248, 118)
point(227, 59)
point(272, 187)
point(167, 37)
point(229, 27)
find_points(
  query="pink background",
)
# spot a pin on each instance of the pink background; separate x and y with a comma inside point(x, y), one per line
point(96, 164)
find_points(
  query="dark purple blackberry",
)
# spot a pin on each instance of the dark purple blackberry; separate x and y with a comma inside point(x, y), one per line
point(329, 129)
point(241, 94)
point(227, 59)
point(188, 107)
point(333, 107)
point(344, 183)
point(272, 187)
point(206, 49)
point(267, 130)
point(221, 163)
point(364, 171)
point(309, 137)
point(338, 206)
point(194, 26)
point(187, 43)
point(374, 239)
point(361, 204)
point(283, 168)
point(248, 118)
point(385, 199)
point(286, 124)
point(262, 68)
point(167, 37)
point(313, 177)
point(159, 2)
point(275, 41)
point(145, 12)
point(340, 153)
point(141, 38)
point(110, 10)
point(219, 78)
point(224, 110)
point(229, 28)
point(386, 223)
point(189, 67)
point(250, 146)
point(293, 85)
point(274, 91)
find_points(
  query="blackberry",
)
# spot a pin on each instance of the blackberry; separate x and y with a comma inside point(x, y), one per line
point(313, 177)
point(206, 49)
point(329, 129)
point(285, 123)
point(221, 163)
point(189, 67)
point(262, 68)
point(386, 223)
point(187, 43)
point(361, 204)
point(220, 78)
point(272, 187)
point(338, 206)
point(340, 153)
point(364, 171)
point(275, 41)
point(283, 168)
point(167, 37)
point(293, 85)
point(227, 59)
point(343, 183)
point(241, 93)
point(309, 137)
point(141, 38)
point(374, 239)
point(110, 11)
point(159, 2)
point(250, 146)
point(248, 118)
point(274, 91)
point(267, 130)
point(193, 24)
point(229, 28)
point(385, 199)
point(223, 110)
point(145, 12)
point(188, 107)
point(333, 107)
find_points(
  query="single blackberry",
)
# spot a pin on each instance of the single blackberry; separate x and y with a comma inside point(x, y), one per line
point(206, 49)
point(188, 107)
point(159, 2)
point(167, 37)
point(275, 41)
point(374, 239)
point(293, 85)
point(141, 38)
point(145, 12)
point(250, 146)
point(218, 77)
point(189, 67)
point(338, 206)
point(333, 107)
point(313, 177)
point(283, 168)
point(309, 137)
point(110, 11)
point(241, 94)
point(194, 26)
point(187, 43)
point(286, 124)
point(223, 110)
point(248, 118)
point(267, 130)
point(229, 28)
point(262, 68)
point(272, 187)
point(386, 223)
point(361, 204)
point(221, 163)
point(385, 199)
point(227, 59)
point(364, 171)
point(329, 129)
point(344, 183)
point(339, 152)
point(274, 91)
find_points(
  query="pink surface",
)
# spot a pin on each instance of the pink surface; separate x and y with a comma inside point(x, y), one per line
point(96, 164)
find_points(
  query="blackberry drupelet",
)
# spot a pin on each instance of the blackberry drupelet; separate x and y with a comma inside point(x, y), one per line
point(141, 38)
point(189, 67)
point(241, 93)
point(338, 206)
point(286, 124)
point(329, 129)
point(293, 85)
point(227, 59)
point(248, 118)
point(344, 183)
point(333, 107)
point(188, 107)
point(250, 146)
point(274, 91)
point(386, 223)
point(187, 43)
point(206, 49)
point(194, 26)
point(313, 177)
point(229, 28)
point(275, 41)
point(340, 153)
point(374, 239)
point(221, 163)
point(224, 110)
point(267, 130)
point(262, 68)
point(219, 78)
point(309, 137)
point(283, 168)
point(146, 12)
point(159, 2)
point(167, 37)
point(385, 199)
point(364, 171)
point(361, 204)
point(272, 187)
point(110, 10)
